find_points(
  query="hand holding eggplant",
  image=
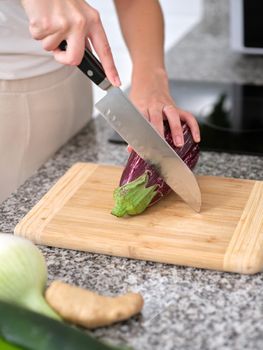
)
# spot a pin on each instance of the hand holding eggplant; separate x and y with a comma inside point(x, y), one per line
point(152, 97)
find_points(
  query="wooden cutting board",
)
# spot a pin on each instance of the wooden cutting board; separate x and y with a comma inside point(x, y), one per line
point(227, 234)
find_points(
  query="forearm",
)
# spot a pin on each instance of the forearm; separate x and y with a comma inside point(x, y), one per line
point(142, 26)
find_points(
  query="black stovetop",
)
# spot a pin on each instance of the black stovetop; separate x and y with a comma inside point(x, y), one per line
point(230, 115)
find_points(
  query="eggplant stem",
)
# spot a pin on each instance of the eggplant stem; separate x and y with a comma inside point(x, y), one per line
point(134, 197)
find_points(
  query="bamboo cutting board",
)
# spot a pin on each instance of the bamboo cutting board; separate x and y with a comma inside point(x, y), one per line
point(227, 234)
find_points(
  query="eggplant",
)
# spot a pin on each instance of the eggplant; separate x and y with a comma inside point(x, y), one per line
point(141, 185)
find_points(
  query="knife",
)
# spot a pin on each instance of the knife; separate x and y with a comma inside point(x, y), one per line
point(130, 124)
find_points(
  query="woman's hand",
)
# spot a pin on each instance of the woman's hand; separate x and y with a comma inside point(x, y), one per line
point(150, 93)
point(52, 21)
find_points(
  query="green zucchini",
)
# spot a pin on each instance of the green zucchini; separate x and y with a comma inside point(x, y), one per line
point(34, 331)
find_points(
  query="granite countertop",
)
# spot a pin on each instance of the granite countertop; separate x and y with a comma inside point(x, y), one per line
point(185, 308)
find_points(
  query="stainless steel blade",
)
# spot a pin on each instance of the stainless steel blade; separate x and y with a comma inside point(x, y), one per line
point(146, 141)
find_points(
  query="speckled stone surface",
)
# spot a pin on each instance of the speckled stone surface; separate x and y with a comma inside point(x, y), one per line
point(185, 308)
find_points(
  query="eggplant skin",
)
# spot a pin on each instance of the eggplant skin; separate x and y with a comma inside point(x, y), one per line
point(136, 166)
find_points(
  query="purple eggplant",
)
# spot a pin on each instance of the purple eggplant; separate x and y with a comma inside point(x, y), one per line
point(141, 186)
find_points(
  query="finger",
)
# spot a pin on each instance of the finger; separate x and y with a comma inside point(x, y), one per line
point(51, 42)
point(192, 123)
point(101, 46)
point(156, 118)
point(75, 50)
point(129, 148)
point(175, 125)
point(144, 112)
point(39, 29)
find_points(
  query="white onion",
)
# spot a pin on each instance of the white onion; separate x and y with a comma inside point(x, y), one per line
point(23, 274)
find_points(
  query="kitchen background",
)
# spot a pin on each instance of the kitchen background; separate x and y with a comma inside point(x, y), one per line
point(180, 17)
point(185, 308)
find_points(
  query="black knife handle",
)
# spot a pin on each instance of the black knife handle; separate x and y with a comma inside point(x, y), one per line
point(91, 67)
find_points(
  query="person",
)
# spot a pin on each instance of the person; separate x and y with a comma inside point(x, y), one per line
point(41, 91)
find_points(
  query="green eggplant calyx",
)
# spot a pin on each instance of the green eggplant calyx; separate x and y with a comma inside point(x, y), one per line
point(134, 197)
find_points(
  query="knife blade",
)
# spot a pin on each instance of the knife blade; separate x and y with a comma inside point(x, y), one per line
point(146, 141)
point(130, 124)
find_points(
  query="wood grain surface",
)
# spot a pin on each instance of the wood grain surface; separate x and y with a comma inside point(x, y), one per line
point(227, 234)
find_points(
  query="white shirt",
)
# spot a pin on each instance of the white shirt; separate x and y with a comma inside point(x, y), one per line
point(20, 55)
